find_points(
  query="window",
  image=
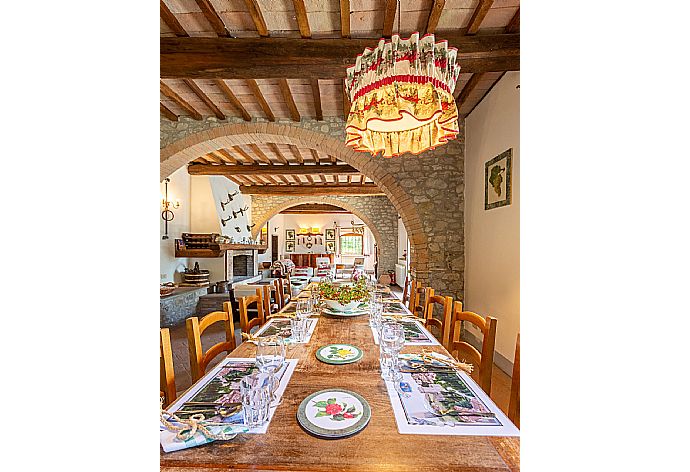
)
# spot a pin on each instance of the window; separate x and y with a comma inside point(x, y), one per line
point(351, 244)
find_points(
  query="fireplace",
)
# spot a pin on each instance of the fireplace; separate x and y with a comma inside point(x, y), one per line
point(240, 265)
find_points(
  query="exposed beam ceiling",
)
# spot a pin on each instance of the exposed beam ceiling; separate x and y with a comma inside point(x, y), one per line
point(434, 16)
point(312, 190)
point(467, 89)
point(314, 208)
point(345, 18)
point(171, 21)
point(257, 58)
point(478, 16)
point(170, 93)
point(316, 93)
point(257, 17)
point(302, 20)
point(289, 101)
point(204, 98)
point(232, 99)
point(168, 113)
point(514, 25)
point(212, 17)
point(389, 17)
point(256, 169)
point(254, 87)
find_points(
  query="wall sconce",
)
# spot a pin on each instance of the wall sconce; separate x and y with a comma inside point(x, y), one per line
point(167, 214)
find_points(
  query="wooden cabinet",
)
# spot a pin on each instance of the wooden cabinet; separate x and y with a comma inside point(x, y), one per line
point(308, 260)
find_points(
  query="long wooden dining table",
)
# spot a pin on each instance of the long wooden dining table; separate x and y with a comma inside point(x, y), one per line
point(379, 446)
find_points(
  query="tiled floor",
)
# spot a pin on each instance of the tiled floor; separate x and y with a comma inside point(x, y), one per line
point(500, 382)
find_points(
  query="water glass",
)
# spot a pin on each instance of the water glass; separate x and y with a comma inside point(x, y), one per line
point(315, 300)
point(298, 326)
point(391, 342)
point(375, 311)
point(303, 308)
point(255, 390)
point(270, 356)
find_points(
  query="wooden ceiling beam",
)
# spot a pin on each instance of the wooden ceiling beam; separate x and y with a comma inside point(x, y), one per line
point(171, 21)
point(204, 98)
point(279, 155)
point(289, 100)
point(315, 155)
point(213, 158)
point(236, 180)
point(258, 169)
point(316, 93)
point(334, 160)
point(228, 157)
point(486, 93)
point(295, 152)
point(514, 24)
point(167, 112)
point(257, 17)
point(346, 102)
point(354, 189)
point(389, 17)
point(345, 18)
point(254, 87)
point(170, 93)
point(302, 19)
point(478, 16)
point(434, 16)
point(296, 58)
point(213, 18)
point(260, 154)
point(249, 159)
point(467, 89)
point(220, 83)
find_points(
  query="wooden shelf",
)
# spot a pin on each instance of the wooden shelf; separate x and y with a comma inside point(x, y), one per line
point(218, 250)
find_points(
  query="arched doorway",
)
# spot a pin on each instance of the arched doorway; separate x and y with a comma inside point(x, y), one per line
point(192, 146)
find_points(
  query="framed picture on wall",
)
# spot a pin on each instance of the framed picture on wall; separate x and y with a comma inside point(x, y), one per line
point(289, 234)
point(330, 234)
point(289, 246)
point(497, 180)
point(330, 246)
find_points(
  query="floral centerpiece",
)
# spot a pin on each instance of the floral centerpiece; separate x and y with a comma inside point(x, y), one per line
point(344, 297)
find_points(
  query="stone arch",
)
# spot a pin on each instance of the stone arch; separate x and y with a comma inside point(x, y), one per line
point(182, 151)
point(299, 200)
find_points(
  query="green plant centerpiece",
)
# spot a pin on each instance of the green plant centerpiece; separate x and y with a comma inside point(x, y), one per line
point(344, 297)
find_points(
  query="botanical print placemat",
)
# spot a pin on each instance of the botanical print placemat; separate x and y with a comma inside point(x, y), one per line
point(445, 402)
point(281, 327)
point(217, 394)
point(415, 334)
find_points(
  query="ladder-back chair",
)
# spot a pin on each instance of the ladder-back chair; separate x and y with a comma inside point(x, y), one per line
point(198, 360)
point(514, 406)
point(415, 301)
point(245, 323)
point(168, 390)
point(463, 351)
point(442, 324)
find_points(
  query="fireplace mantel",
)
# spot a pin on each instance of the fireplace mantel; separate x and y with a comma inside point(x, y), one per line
point(217, 250)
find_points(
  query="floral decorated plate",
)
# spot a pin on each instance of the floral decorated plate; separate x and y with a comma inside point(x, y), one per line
point(339, 354)
point(333, 413)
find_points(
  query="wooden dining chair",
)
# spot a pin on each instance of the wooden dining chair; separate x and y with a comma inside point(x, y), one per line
point(198, 360)
point(168, 390)
point(406, 293)
point(245, 323)
point(279, 293)
point(442, 324)
point(514, 405)
point(416, 305)
point(463, 351)
point(269, 306)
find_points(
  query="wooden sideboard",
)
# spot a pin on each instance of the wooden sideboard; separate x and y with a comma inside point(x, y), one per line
point(308, 260)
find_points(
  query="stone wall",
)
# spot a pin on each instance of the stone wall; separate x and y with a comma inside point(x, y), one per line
point(377, 212)
point(426, 190)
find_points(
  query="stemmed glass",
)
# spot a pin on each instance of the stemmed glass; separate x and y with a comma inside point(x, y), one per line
point(391, 342)
point(270, 356)
point(375, 310)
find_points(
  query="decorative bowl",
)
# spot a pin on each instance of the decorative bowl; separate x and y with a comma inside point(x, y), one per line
point(337, 306)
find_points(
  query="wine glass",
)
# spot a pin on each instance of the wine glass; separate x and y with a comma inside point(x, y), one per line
point(391, 342)
point(303, 308)
point(270, 356)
